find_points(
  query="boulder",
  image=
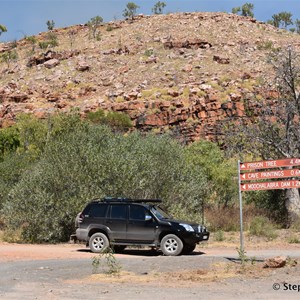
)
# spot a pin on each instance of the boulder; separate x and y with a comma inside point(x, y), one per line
point(275, 262)
point(221, 60)
point(82, 66)
point(51, 63)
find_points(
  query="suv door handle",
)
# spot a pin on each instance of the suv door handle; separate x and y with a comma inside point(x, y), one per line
point(109, 222)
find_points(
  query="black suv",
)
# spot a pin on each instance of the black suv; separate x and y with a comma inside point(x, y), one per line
point(120, 222)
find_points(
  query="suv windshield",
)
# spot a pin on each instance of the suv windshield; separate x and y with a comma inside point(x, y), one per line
point(159, 213)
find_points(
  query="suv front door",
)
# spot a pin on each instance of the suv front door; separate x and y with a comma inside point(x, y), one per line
point(139, 229)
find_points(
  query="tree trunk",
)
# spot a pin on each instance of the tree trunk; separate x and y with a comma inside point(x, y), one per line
point(292, 203)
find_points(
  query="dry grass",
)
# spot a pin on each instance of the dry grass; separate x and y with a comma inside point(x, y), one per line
point(217, 272)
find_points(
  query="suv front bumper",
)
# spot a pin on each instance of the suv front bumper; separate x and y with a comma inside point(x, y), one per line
point(193, 237)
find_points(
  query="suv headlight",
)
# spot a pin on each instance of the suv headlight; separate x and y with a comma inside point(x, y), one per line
point(187, 227)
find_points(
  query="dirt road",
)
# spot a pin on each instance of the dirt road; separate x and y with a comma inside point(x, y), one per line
point(65, 271)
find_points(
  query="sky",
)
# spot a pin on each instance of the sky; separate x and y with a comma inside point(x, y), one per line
point(28, 17)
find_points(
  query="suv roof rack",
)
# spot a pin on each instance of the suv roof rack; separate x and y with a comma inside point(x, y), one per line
point(129, 200)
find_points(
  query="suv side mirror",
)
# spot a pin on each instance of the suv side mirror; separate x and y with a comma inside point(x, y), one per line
point(148, 218)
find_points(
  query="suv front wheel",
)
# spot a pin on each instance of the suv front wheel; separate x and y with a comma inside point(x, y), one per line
point(98, 242)
point(171, 245)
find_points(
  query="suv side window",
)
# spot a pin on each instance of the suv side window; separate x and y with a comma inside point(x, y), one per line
point(98, 210)
point(118, 211)
point(137, 213)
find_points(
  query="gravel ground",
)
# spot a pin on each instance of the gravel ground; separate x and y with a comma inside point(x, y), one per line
point(66, 272)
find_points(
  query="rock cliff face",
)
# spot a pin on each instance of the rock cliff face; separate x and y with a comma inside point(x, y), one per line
point(186, 73)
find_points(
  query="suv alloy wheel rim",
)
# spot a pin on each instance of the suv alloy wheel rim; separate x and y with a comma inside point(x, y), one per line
point(98, 243)
point(171, 245)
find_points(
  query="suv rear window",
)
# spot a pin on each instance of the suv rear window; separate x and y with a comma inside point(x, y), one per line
point(96, 210)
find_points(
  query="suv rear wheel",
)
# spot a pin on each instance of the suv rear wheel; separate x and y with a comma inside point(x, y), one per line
point(98, 242)
point(171, 245)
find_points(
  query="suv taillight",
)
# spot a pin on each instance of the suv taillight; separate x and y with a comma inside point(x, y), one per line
point(80, 218)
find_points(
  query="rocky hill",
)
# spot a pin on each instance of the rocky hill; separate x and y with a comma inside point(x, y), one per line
point(184, 72)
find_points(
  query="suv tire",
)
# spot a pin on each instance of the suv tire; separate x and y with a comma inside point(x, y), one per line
point(98, 242)
point(171, 245)
point(188, 248)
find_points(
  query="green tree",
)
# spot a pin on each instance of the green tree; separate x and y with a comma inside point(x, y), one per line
point(158, 7)
point(275, 20)
point(116, 120)
point(93, 25)
point(247, 10)
point(2, 29)
point(50, 25)
point(285, 18)
point(92, 161)
point(236, 10)
point(219, 170)
point(130, 10)
point(9, 141)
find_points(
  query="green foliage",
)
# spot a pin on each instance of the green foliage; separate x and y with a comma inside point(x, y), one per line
point(109, 28)
point(32, 39)
point(108, 262)
point(11, 170)
point(297, 24)
point(117, 121)
point(9, 56)
point(148, 52)
point(236, 10)
point(219, 236)
point(158, 7)
point(51, 41)
point(219, 170)
point(286, 19)
point(246, 10)
point(283, 19)
point(261, 226)
point(93, 25)
point(2, 29)
point(96, 117)
point(50, 25)
point(272, 202)
point(130, 10)
point(293, 240)
point(91, 161)
point(9, 141)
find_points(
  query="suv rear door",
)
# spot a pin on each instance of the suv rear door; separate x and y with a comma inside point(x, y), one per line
point(117, 222)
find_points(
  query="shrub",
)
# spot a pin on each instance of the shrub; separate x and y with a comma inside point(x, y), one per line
point(261, 226)
point(293, 240)
point(219, 236)
point(91, 162)
point(117, 121)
